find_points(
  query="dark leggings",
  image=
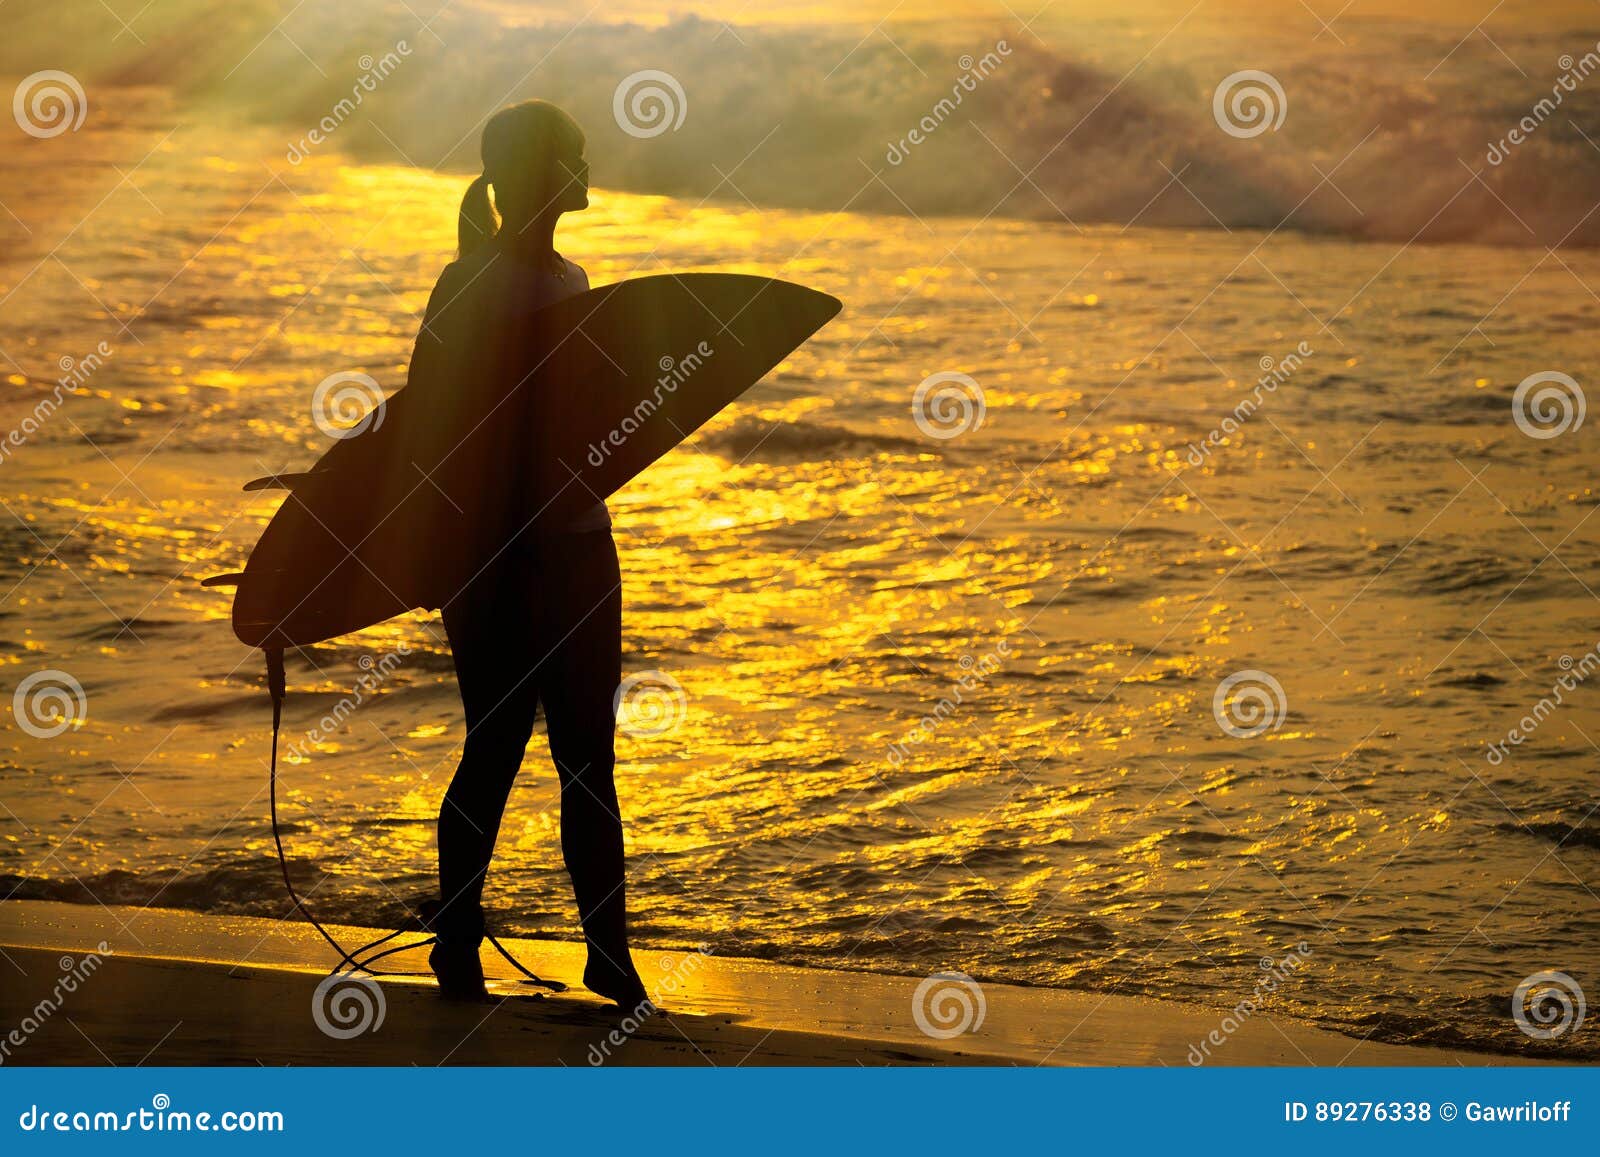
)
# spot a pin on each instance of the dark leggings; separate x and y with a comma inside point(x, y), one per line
point(544, 627)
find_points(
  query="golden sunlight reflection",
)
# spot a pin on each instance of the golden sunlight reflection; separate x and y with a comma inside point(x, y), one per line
point(946, 701)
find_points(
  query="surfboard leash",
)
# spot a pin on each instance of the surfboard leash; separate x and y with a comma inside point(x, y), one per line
point(277, 687)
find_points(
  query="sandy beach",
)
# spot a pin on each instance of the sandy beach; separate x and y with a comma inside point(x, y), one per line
point(178, 988)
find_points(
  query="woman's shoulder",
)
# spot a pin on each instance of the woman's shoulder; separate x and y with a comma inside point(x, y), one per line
point(455, 280)
point(450, 277)
point(576, 275)
point(465, 268)
point(485, 277)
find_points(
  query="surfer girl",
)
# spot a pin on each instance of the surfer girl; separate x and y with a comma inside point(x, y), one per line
point(541, 623)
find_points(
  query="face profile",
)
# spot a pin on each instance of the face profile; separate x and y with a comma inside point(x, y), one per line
point(571, 174)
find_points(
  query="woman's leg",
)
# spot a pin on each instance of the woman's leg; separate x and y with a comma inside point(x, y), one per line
point(583, 666)
point(491, 640)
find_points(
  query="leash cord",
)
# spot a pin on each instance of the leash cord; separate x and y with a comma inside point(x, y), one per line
point(277, 686)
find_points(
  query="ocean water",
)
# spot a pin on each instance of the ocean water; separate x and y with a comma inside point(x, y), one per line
point(919, 695)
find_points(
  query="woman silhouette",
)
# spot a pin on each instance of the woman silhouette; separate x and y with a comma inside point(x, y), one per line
point(542, 622)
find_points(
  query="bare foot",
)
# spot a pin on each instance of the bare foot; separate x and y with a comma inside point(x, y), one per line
point(460, 973)
point(603, 978)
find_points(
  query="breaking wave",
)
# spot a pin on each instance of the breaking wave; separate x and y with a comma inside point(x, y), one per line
point(973, 117)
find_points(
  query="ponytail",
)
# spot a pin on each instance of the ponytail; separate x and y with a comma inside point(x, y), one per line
point(476, 224)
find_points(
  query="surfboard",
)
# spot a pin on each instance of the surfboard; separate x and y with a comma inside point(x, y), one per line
point(531, 429)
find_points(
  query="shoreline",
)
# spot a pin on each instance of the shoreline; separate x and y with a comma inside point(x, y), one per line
point(176, 987)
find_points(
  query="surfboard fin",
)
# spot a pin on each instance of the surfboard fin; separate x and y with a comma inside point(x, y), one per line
point(281, 481)
point(223, 580)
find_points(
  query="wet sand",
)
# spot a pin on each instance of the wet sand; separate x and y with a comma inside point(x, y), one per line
point(173, 988)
